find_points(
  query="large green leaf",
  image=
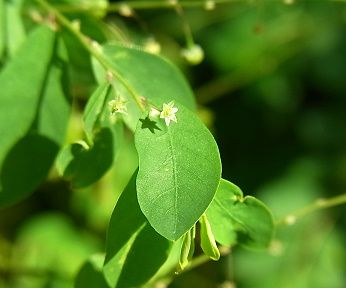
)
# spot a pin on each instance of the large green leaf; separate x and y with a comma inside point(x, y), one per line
point(21, 82)
point(90, 275)
point(34, 111)
point(134, 251)
point(236, 219)
point(147, 75)
point(179, 171)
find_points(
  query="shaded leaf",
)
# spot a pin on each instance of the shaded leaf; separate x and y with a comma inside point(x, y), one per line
point(236, 219)
point(134, 251)
point(179, 171)
point(91, 275)
point(25, 166)
point(84, 165)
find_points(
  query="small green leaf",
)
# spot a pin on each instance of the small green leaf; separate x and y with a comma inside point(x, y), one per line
point(185, 251)
point(149, 76)
point(94, 108)
point(236, 219)
point(208, 243)
point(84, 165)
point(179, 171)
point(192, 246)
point(91, 275)
point(134, 251)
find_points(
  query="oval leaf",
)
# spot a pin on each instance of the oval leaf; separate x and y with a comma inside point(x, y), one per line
point(179, 171)
point(236, 219)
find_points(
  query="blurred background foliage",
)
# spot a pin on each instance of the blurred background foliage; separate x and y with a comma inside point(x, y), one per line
point(272, 88)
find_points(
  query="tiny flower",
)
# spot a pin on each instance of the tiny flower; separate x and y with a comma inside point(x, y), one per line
point(154, 113)
point(168, 112)
point(117, 106)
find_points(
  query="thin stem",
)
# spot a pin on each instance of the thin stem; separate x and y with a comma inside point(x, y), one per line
point(186, 26)
point(319, 204)
point(91, 47)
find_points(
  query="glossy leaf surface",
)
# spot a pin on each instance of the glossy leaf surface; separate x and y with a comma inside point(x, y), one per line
point(179, 171)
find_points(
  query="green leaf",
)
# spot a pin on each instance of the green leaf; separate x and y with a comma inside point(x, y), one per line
point(134, 251)
point(34, 111)
point(208, 243)
point(185, 250)
point(84, 165)
point(236, 219)
point(179, 171)
point(55, 105)
point(94, 108)
point(2, 28)
point(21, 87)
point(91, 275)
point(15, 27)
point(147, 75)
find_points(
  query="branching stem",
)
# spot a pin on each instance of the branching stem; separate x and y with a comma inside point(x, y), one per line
point(319, 204)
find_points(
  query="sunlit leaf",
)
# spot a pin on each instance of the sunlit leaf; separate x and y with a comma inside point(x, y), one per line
point(236, 219)
point(179, 171)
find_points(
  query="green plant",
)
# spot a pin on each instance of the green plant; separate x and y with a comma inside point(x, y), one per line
point(176, 198)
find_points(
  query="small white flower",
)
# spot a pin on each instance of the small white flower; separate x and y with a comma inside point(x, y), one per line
point(117, 106)
point(168, 112)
